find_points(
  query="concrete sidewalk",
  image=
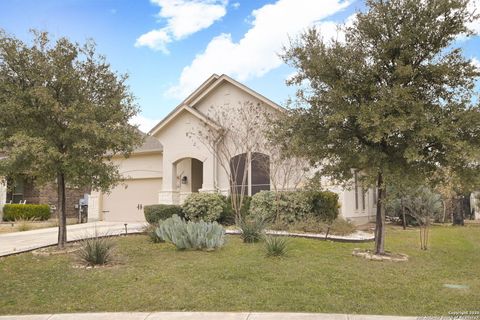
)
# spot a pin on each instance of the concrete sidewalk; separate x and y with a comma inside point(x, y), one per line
point(16, 242)
point(202, 316)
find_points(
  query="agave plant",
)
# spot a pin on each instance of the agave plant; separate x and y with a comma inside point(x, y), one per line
point(191, 235)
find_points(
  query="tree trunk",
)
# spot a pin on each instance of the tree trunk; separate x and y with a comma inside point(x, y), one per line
point(403, 215)
point(62, 215)
point(380, 218)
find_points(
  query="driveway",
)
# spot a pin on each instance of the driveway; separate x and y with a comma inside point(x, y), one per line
point(16, 242)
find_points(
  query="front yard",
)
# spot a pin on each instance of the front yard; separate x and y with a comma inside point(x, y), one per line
point(315, 276)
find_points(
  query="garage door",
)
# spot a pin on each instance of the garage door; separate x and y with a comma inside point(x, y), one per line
point(125, 203)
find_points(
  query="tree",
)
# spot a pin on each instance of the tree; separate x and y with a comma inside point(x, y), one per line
point(420, 203)
point(238, 130)
point(63, 115)
point(392, 101)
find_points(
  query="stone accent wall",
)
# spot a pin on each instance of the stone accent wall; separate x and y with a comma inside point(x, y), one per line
point(47, 194)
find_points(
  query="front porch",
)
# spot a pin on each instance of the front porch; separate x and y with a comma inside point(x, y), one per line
point(184, 176)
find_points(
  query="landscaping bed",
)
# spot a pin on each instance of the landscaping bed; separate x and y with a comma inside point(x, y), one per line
point(314, 276)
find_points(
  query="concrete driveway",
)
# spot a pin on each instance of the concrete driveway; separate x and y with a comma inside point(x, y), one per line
point(16, 242)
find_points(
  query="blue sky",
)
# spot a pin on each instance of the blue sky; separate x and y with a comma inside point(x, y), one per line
point(168, 47)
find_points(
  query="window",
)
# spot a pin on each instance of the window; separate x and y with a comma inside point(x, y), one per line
point(250, 174)
point(364, 193)
point(260, 172)
point(16, 190)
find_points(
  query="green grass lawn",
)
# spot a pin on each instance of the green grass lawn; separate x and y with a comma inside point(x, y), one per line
point(316, 276)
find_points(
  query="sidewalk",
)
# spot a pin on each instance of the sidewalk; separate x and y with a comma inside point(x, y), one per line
point(202, 316)
point(16, 242)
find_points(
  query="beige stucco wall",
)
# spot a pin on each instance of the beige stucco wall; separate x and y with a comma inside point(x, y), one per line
point(178, 149)
point(143, 181)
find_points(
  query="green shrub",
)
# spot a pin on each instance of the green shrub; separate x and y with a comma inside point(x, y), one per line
point(276, 246)
point(324, 204)
point(281, 206)
point(151, 231)
point(191, 235)
point(203, 206)
point(252, 230)
point(228, 215)
point(96, 251)
point(157, 212)
point(292, 206)
point(12, 212)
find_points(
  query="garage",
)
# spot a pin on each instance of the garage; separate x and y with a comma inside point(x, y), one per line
point(126, 201)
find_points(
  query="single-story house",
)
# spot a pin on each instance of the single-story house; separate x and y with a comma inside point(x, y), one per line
point(172, 163)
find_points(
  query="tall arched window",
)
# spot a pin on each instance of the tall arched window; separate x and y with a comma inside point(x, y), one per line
point(250, 172)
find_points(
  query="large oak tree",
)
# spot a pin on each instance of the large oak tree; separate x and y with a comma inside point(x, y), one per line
point(63, 114)
point(393, 100)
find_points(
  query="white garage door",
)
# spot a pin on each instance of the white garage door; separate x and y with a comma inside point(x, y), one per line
point(125, 203)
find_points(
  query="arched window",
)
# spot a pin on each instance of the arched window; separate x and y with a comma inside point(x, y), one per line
point(250, 172)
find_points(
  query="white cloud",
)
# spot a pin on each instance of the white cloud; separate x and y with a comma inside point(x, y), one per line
point(184, 17)
point(476, 63)
point(474, 7)
point(236, 5)
point(143, 123)
point(257, 52)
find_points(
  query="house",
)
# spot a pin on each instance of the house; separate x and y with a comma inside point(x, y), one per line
point(27, 191)
point(172, 163)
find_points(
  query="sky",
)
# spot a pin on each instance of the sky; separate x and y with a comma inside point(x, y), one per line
point(169, 47)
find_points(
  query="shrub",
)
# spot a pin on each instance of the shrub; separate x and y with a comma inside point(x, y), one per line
point(203, 206)
point(96, 251)
point(151, 231)
point(228, 215)
point(252, 230)
point(276, 246)
point(324, 204)
point(155, 213)
point(191, 235)
point(292, 206)
point(12, 212)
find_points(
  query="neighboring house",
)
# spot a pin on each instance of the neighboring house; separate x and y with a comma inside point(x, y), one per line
point(171, 164)
point(26, 191)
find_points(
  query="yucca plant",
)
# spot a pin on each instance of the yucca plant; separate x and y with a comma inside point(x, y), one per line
point(96, 251)
point(191, 235)
point(276, 246)
point(252, 230)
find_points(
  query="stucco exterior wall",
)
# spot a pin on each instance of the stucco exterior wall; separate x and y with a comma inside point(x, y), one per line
point(143, 181)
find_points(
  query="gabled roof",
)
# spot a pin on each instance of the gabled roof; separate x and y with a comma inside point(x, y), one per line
point(203, 90)
point(150, 144)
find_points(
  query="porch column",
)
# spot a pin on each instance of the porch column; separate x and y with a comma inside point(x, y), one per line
point(208, 175)
point(169, 193)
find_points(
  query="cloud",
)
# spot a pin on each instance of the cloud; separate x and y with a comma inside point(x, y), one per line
point(236, 5)
point(143, 123)
point(476, 63)
point(474, 7)
point(257, 52)
point(184, 17)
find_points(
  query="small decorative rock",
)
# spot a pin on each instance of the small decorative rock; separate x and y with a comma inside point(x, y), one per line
point(388, 256)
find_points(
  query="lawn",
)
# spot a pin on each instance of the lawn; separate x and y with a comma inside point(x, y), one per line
point(316, 276)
